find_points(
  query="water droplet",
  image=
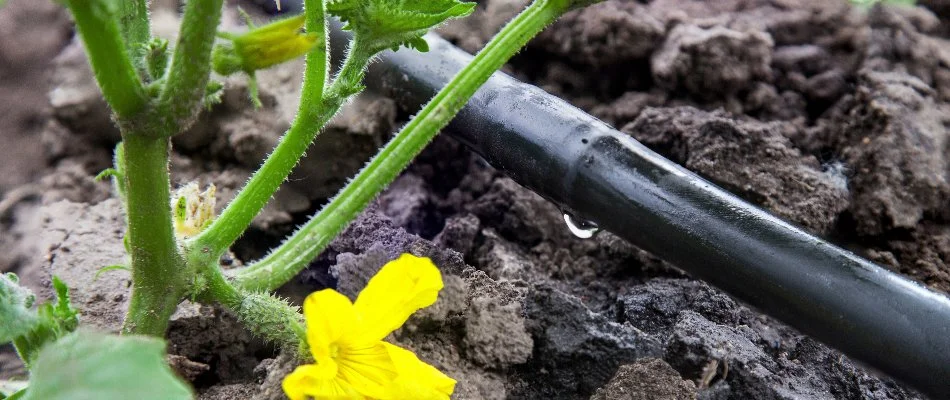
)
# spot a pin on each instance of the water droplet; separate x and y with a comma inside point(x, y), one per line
point(580, 228)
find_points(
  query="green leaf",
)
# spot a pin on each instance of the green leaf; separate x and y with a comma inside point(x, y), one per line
point(386, 24)
point(65, 317)
point(17, 396)
point(29, 329)
point(94, 366)
point(16, 311)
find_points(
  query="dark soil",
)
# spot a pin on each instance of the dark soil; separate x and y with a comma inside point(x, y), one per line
point(832, 117)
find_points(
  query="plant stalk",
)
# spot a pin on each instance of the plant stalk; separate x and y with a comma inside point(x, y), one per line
point(316, 108)
point(136, 30)
point(303, 246)
point(190, 69)
point(159, 277)
point(97, 24)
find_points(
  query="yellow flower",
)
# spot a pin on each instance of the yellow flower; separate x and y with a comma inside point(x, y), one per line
point(263, 47)
point(346, 339)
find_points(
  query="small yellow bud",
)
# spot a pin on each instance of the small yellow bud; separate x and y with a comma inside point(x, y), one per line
point(193, 210)
point(264, 47)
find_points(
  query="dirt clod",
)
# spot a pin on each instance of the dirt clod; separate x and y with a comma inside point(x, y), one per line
point(692, 58)
point(495, 335)
point(647, 379)
point(754, 159)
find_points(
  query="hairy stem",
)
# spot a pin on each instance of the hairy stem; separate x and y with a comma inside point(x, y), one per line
point(97, 24)
point(136, 31)
point(159, 278)
point(304, 245)
point(268, 317)
point(190, 70)
point(311, 117)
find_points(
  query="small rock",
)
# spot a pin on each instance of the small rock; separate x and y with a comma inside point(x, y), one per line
point(185, 368)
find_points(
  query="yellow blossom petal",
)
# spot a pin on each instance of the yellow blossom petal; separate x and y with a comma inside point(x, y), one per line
point(345, 339)
point(417, 380)
point(310, 381)
point(335, 339)
point(329, 315)
point(399, 289)
point(370, 370)
point(274, 43)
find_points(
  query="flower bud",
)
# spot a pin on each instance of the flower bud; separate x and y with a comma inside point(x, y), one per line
point(264, 47)
point(192, 210)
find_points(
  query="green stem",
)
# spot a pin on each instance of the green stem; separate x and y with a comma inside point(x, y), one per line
point(136, 31)
point(268, 317)
point(304, 245)
point(237, 216)
point(190, 70)
point(159, 278)
point(97, 24)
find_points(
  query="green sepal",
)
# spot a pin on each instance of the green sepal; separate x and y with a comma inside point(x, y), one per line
point(225, 60)
point(389, 24)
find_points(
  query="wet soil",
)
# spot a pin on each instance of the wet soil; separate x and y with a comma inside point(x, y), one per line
point(832, 117)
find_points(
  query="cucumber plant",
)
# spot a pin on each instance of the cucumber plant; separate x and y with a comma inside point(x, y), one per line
point(174, 241)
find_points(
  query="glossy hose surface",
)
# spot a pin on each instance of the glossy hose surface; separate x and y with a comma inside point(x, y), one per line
point(602, 175)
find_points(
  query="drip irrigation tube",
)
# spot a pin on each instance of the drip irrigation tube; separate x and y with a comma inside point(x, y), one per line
point(605, 176)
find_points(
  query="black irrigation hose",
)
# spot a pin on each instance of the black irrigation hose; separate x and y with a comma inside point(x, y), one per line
point(602, 175)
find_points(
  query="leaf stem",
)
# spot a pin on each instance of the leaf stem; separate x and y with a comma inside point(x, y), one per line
point(190, 70)
point(159, 278)
point(303, 246)
point(316, 108)
point(97, 24)
point(136, 31)
point(266, 316)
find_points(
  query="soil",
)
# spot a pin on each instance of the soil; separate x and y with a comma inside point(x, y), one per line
point(833, 117)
